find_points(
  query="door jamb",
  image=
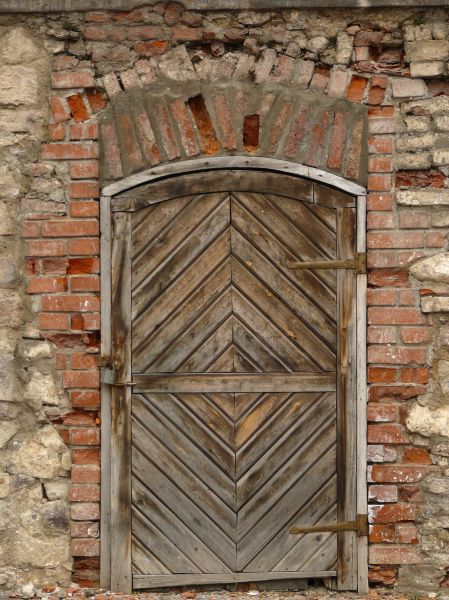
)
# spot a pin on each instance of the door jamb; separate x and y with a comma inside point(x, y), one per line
point(216, 163)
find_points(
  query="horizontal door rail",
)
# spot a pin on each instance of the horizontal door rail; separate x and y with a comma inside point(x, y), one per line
point(235, 382)
point(148, 581)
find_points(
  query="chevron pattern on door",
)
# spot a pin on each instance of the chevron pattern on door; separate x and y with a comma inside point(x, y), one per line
point(224, 466)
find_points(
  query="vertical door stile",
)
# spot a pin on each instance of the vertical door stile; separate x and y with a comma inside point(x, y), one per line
point(346, 400)
point(121, 579)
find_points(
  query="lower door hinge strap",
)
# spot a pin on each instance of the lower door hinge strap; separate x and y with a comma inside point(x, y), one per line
point(358, 263)
point(360, 526)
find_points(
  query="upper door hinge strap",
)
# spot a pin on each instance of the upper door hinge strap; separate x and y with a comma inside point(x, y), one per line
point(358, 263)
point(360, 525)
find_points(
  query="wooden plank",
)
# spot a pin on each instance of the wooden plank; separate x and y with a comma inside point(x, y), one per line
point(331, 197)
point(121, 407)
point(141, 582)
point(221, 181)
point(106, 396)
point(346, 400)
point(234, 382)
point(362, 500)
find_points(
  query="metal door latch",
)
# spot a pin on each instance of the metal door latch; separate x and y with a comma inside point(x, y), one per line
point(360, 526)
point(358, 263)
point(108, 374)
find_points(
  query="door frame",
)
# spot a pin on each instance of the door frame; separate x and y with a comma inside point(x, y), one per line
point(115, 563)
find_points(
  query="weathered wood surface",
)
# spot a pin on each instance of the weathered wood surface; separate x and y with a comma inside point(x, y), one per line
point(121, 406)
point(234, 410)
point(346, 400)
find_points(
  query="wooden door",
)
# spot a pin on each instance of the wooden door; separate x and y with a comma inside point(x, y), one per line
point(236, 420)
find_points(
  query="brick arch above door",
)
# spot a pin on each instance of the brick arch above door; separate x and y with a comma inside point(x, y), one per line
point(170, 122)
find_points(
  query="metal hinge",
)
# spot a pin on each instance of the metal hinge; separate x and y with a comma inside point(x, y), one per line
point(358, 263)
point(360, 525)
point(109, 376)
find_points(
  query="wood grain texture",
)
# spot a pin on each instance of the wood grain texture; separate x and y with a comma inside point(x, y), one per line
point(237, 412)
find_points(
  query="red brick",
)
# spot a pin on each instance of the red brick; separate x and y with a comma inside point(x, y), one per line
point(338, 140)
point(379, 201)
point(104, 34)
point(39, 285)
point(225, 123)
point(428, 178)
point(81, 266)
point(388, 278)
point(72, 151)
point(406, 239)
point(380, 220)
point(85, 456)
point(78, 108)
point(381, 335)
point(46, 248)
point(384, 112)
point(86, 169)
point(280, 124)
point(84, 529)
point(416, 335)
point(407, 297)
point(186, 34)
point(435, 239)
point(380, 164)
point(85, 436)
point(376, 95)
point(85, 474)
point(30, 229)
point(83, 131)
point(379, 534)
point(72, 79)
point(355, 149)
point(54, 321)
point(204, 124)
point(417, 375)
point(80, 418)
point(80, 547)
point(387, 434)
point(85, 284)
point(394, 316)
point(70, 303)
point(54, 266)
point(56, 132)
point(297, 132)
point(395, 474)
point(409, 493)
point(92, 321)
point(379, 453)
point(81, 360)
point(394, 555)
point(251, 132)
point(59, 109)
point(182, 120)
point(84, 209)
point(113, 167)
point(320, 79)
point(85, 511)
point(68, 228)
point(397, 355)
point(96, 100)
point(381, 297)
point(81, 379)
point(84, 189)
point(391, 513)
point(84, 246)
point(382, 493)
point(317, 144)
point(151, 48)
point(85, 399)
point(416, 456)
point(396, 392)
point(380, 145)
point(356, 90)
point(382, 412)
point(414, 219)
point(381, 375)
point(407, 533)
point(383, 576)
point(368, 38)
point(379, 183)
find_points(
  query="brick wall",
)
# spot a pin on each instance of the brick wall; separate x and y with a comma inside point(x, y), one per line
point(343, 58)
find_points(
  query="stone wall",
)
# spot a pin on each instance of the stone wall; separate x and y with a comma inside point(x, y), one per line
point(391, 61)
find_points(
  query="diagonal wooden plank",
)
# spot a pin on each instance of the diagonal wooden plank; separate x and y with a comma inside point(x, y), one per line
point(306, 310)
point(306, 281)
point(244, 402)
point(274, 221)
point(191, 338)
point(279, 345)
point(211, 350)
point(274, 311)
point(271, 556)
point(155, 538)
point(179, 499)
point(256, 353)
point(320, 460)
point(184, 285)
point(223, 363)
point(304, 218)
point(186, 314)
point(181, 535)
point(176, 427)
point(165, 272)
point(190, 220)
point(144, 561)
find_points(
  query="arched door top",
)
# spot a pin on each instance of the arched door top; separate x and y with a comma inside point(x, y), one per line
point(160, 127)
